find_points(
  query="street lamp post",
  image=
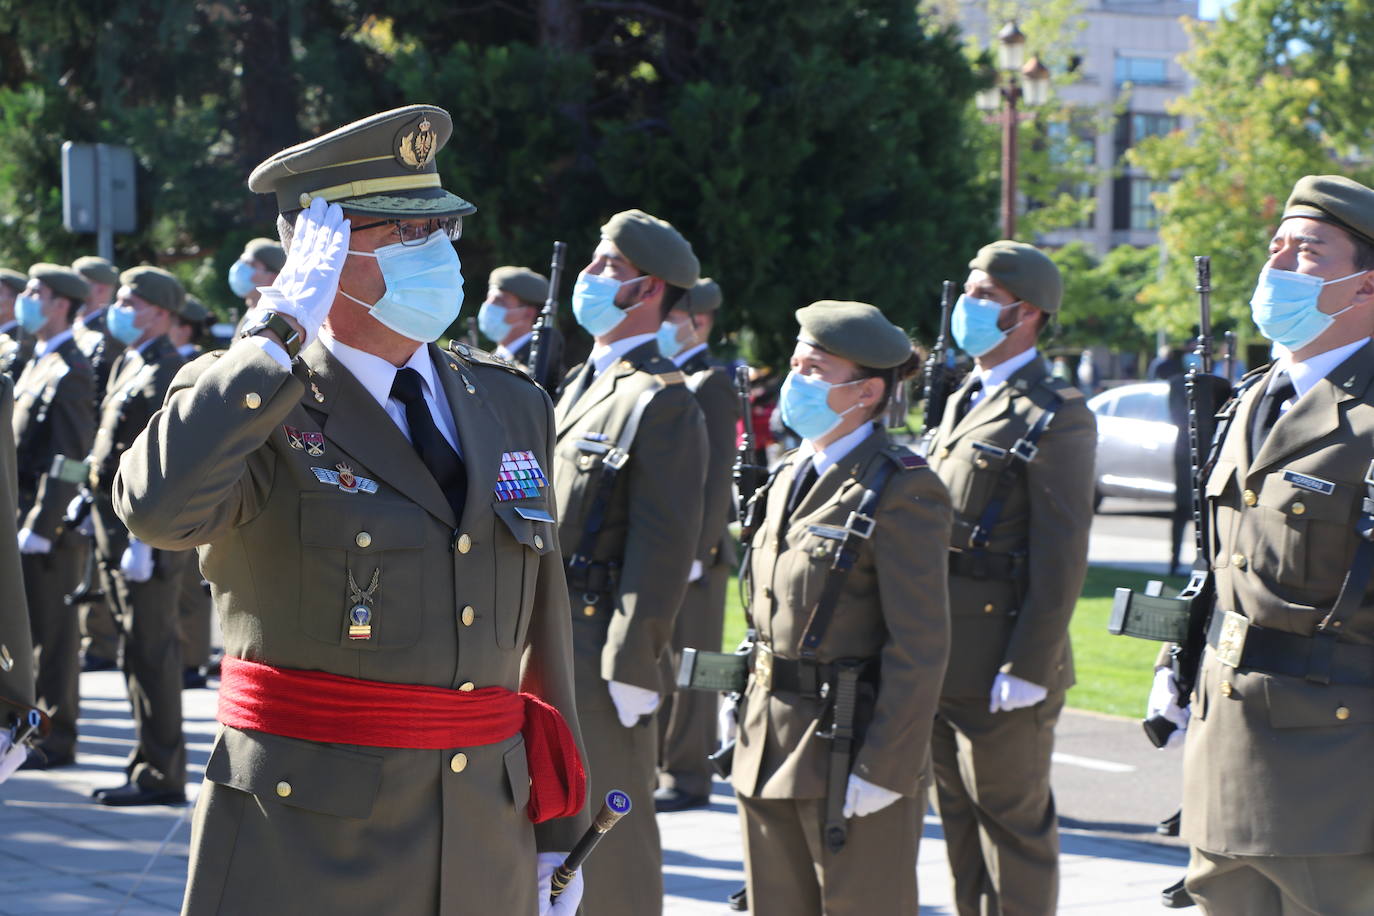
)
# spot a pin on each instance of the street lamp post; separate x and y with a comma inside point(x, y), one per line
point(1017, 80)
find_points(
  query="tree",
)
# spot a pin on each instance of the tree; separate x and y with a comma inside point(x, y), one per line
point(1101, 297)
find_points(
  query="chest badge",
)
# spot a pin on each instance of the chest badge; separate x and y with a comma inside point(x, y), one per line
point(360, 614)
point(314, 444)
point(344, 478)
point(293, 438)
point(520, 476)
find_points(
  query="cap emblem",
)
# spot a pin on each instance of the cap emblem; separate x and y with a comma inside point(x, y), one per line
point(417, 147)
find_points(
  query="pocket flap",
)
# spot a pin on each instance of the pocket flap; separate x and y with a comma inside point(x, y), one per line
point(1294, 703)
point(518, 773)
point(1303, 495)
point(302, 774)
point(1221, 476)
point(337, 521)
point(536, 534)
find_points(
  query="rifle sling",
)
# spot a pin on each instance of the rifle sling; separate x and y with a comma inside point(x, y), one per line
point(1022, 453)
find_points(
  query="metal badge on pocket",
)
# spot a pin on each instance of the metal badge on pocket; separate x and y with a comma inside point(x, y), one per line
point(1231, 644)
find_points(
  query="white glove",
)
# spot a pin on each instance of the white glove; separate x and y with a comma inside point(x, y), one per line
point(33, 543)
point(136, 563)
point(1164, 702)
point(727, 721)
point(12, 755)
point(1011, 692)
point(567, 902)
point(309, 279)
point(87, 527)
point(697, 570)
point(74, 506)
point(862, 797)
point(631, 702)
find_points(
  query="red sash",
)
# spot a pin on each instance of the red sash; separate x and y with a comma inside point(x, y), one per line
point(333, 709)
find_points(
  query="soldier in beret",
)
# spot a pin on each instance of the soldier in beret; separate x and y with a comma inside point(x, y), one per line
point(847, 592)
point(1283, 710)
point(688, 718)
point(142, 584)
point(258, 266)
point(53, 417)
point(632, 456)
point(15, 347)
point(376, 519)
point(1016, 451)
point(515, 296)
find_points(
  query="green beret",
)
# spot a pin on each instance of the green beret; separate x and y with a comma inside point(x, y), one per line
point(653, 246)
point(855, 331)
point(13, 279)
point(156, 287)
point(1024, 271)
point(267, 252)
point(521, 282)
point(1334, 199)
point(194, 310)
point(63, 281)
point(380, 166)
point(702, 298)
point(96, 270)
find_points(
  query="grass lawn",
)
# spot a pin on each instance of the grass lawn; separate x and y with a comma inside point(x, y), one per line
point(1114, 672)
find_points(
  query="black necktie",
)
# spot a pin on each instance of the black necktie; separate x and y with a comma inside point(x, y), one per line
point(1267, 411)
point(801, 485)
point(966, 403)
point(581, 383)
point(443, 462)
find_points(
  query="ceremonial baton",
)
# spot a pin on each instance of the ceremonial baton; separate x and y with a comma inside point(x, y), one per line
point(617, 806)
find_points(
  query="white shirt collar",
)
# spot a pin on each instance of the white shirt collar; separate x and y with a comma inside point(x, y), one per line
point(187, 350)
point(44, 347)
point(604, 355)
point(146, 344)
point(1307, 373)
point(687, 354)
point(998, 374)
point(506, 352)
point(376, 374)
point(836, 451)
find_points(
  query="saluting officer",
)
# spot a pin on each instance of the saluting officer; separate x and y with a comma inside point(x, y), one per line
point(141, 583)
point(688, 718)
point(52, 416)
point(631, 461)
point(1016, 450)
point(847, 588)
point(16, 642)
point(376, 521)
point(1278, 817)
point(15, 346)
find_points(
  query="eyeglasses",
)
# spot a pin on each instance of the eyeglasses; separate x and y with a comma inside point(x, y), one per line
point(415, 233)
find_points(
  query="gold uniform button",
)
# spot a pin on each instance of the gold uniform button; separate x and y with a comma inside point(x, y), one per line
point(988, 608)
point(459, 763)
point(626, 364)
point(1226, 688)
point(1342, 713)
point(464, 543)
point(1250, 497)
point(980, 462)
point(467, 686)
point(944, 451)
point(363, 539)
point(1238, 560)
point(538, 542)
point(284, 788)
point(252, 400)
point(589, 610)
point(1299, 508)
point(469, 615)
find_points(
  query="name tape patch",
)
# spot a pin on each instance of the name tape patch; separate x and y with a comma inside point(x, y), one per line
point(1308, 482)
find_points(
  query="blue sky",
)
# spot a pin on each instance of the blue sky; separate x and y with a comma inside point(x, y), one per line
point(1207, 9)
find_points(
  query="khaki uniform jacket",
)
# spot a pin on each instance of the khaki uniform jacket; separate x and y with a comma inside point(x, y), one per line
point(16, 349)
point(16, 644)
point(251, 462)
point(1021, 629)
point(1272, 763)
point(894, 607)
point(653, 517)
point(53, 415)
point(719, 407)
point(101, 347)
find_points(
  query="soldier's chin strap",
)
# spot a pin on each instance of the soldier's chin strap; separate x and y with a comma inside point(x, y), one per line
point(1351, 594)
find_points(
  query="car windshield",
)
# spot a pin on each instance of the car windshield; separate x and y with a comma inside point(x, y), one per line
point(1143, 405)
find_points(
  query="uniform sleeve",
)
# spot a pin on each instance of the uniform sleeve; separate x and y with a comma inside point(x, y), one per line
point(666, 472)
point(16, 683)
point(198, 469)
point(71, 418)
point(717, 400)
point(1059, 486)
point(910, 546)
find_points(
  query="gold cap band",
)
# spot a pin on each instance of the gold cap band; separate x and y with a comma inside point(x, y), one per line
point(366, 186)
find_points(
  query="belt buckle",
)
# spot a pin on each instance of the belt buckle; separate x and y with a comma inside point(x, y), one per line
point(1231, 644)
point(763, 667)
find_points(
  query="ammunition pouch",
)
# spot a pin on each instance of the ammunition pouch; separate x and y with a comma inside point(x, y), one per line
point(1240, 644)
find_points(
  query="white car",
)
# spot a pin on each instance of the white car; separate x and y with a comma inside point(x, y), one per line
point(1135, 442)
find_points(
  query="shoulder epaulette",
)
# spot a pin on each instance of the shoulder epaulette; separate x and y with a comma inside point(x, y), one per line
point(904, 457)
point(674, 377)
point(1257, 371)
point(478, 357)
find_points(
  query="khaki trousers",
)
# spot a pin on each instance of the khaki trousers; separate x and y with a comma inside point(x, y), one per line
point(992, 780)
point(1282, 885)
point(688, 718)
point(790, 872)
point(48, 578)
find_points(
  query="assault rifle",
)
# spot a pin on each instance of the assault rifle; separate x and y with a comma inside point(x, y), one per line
point(546, 339)
point(938, 379)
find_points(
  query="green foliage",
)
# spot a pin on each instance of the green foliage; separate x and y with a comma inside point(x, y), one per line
point(1276, 97)
point(1101, 297)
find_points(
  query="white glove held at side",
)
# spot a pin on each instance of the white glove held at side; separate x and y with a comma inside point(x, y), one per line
point(567, 902)
point(727, 721)
point(862, 797)
point(1011, 692)
point(309, 280)
point(12, 755)
point(631, 702)
point(1164, 702)
point(33, 543)
point(136, 563)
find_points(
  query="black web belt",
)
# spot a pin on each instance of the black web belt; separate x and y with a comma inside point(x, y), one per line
point(984, 564)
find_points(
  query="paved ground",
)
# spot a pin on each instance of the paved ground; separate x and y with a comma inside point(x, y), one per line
point(60, 853)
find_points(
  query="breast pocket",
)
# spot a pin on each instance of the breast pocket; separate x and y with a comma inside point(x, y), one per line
point(362, 576)
point(1303, 536)
point(524, 534)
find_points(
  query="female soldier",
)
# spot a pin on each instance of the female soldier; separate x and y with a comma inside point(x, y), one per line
point(848, 586)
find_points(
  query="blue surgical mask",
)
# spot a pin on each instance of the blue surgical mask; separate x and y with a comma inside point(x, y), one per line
point(1284, 306)
point(424, 287)
point(593, 303)
point(805, 403)
point(667, 340)
point(28, 311)
point(974, 324)
point(241, 278)
point(493, 322)
point(119, 320)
